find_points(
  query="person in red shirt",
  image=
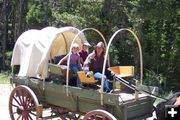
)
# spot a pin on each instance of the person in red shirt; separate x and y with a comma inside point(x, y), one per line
point(84, 52)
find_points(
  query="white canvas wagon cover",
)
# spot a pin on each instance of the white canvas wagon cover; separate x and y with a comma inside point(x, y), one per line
point(34, 48)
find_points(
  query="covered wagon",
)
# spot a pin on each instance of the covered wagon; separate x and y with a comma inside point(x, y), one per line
point(41, 84)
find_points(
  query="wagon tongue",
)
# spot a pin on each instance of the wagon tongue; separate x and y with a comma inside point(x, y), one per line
point(148, 90)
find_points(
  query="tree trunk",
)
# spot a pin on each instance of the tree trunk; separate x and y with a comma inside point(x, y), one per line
point(5, 31)
point(106, 7)
point(46, 11)
point(22, 14)
point(20, 21)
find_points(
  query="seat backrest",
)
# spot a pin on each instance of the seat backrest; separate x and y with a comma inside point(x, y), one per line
point(125, 71)
point(84, 79)
point(115, 69)
point(56, 69)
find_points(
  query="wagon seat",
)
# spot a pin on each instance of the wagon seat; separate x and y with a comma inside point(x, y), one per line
point(125, 72)
point(88, 81)
point(120, 71)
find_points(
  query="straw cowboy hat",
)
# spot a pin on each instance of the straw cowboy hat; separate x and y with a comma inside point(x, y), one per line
point(100, 44)
point(87, 44)
point(75, 45)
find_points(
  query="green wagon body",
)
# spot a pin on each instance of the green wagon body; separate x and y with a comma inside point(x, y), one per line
point(84, 100)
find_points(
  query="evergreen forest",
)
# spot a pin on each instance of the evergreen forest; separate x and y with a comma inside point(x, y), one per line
point(155, 22)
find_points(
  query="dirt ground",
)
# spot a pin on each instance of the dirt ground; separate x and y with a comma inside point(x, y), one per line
point(4, 96)
point(5, 90)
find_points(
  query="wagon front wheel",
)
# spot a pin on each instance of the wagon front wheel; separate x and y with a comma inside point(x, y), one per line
point(99, 115)
point(23, 104)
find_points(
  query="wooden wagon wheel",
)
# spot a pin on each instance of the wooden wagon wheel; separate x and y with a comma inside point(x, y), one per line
point(23, 103)
point(99, 115)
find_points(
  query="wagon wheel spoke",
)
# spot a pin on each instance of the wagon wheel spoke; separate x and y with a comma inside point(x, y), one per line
point(16, 100)
point(22, 104)
point(18, 93)
point(29, 117)
point(32, 113)
point(14, 105)
point(20, 100)
point(29, 101)
point(19, 117)
point(14, 113)
point(99, 115)
point(23, 117)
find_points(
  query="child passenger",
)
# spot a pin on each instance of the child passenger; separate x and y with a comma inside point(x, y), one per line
point(75, 60)
point(85, 51)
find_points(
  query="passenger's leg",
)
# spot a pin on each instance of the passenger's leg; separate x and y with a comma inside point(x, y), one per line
point(75, 68)
point(98, 76)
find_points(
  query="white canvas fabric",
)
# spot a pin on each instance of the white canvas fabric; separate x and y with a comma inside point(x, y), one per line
point(34, 48)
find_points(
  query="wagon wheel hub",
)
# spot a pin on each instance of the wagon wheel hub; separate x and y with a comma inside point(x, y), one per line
point(22, 110)
point(19, 110)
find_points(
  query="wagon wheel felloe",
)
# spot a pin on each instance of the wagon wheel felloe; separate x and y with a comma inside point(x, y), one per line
point(23, 104)
point(99, 115)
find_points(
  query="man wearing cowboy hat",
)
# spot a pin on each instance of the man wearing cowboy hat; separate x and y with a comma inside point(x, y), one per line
point(94, 62)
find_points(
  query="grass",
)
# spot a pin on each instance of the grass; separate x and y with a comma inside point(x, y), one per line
point(4, 78)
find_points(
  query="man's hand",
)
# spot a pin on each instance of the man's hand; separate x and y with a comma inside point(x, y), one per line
point(88, 74)
point(177, 101)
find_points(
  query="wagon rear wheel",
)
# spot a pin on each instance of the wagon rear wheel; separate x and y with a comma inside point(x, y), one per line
point(99, 115)
point(23, 103)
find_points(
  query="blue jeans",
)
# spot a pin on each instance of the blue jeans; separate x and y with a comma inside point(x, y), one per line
point(98, 76)
point(75, 68)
